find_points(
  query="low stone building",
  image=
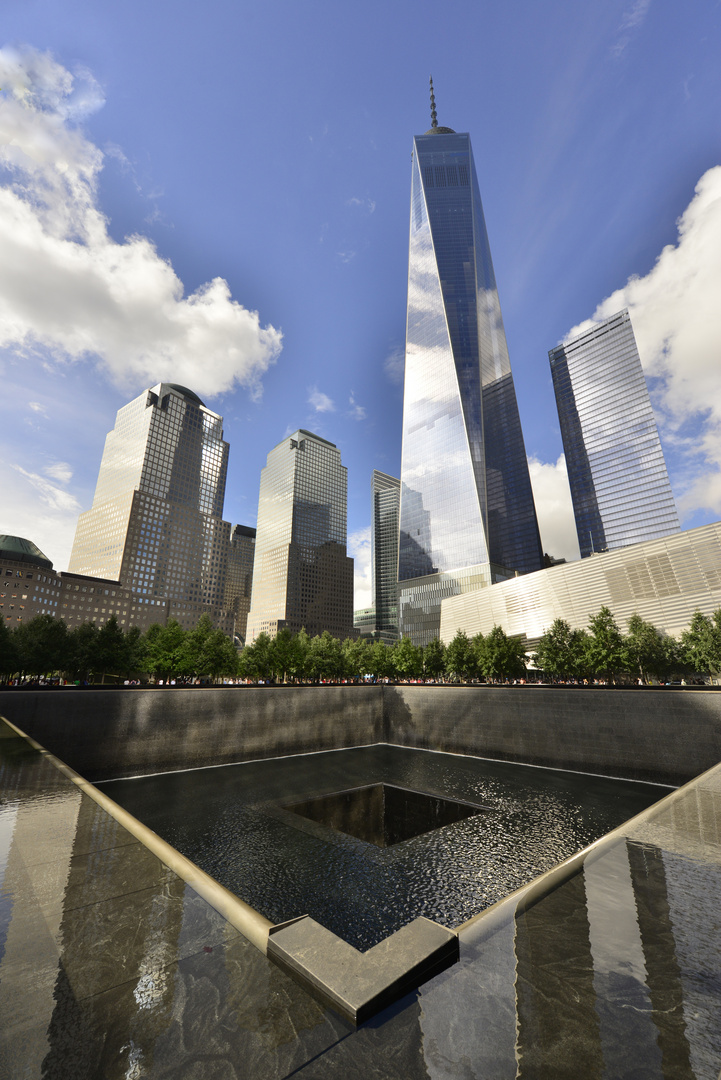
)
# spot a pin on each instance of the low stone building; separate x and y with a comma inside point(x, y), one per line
point(29, 586)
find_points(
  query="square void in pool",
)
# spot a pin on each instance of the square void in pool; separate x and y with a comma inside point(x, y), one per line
point(384, 814)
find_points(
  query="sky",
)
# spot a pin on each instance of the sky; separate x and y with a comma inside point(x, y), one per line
point(218, 195)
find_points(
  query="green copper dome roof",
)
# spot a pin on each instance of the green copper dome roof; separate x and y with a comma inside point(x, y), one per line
point(18, 549)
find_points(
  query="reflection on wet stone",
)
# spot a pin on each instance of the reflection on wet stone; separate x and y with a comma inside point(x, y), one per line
point(558, 1031)
point(383, 814)
point(111, 967)
point(663, 976)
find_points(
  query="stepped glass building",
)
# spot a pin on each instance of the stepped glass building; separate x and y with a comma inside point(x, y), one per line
point(156, 522)
point(380, 621)
point(385, 500)
point(239, 577)
point(302, 576)
point(616, 469)
point(467, 516)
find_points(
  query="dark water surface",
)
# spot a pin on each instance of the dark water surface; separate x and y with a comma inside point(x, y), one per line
point(231, 821)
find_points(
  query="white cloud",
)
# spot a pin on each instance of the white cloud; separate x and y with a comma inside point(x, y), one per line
point(38, 407)
point(60, 471)
point(50, 494)
point(394, 364)
point(359, 549)
point(554, 508)
point(320, 401)
point(630, 22)
point(346, 256)
point(42, 512)
point(676, 314)
point(635, 14)
point(357, 411)
point(365, 204)
point(68, 291)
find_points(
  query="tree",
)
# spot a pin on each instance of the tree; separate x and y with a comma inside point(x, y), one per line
point(357, 656)
point(478, 655)
point(606, 650)
point(701, 642)
point(380, 660)
point(83, 650)
point(561, 652)
point(301, 654)
point(434, 658)
point(459, 656)
point(551, 655)
point(9, 655)
point(647, 651)
point(164, 648)
point(284, 653)
point(407, 659)
point(325, 659)
point(110, 648)
point(43, 645)
point(256, 660)
point(133, 653)
point(218, 656)
point(502, 657)
point(675, 664)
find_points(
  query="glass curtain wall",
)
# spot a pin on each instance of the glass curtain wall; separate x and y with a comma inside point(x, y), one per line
point(466, 498)
point(616, 469)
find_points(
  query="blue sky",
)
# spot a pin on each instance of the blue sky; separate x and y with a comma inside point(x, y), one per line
point(149, 150)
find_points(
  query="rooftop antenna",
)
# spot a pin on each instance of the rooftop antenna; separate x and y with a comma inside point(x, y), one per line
point(434, 117)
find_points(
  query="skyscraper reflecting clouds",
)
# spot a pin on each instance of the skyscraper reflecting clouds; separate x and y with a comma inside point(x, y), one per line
point(385, 502)
point(616, 469)
point(302, 576)
point(156, 520)
point(467, 515)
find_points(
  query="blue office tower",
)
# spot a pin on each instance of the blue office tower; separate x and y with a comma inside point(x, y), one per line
point(467, 513)
point(616, 469)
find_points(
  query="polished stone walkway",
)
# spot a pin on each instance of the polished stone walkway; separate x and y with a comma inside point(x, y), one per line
point(111, 966)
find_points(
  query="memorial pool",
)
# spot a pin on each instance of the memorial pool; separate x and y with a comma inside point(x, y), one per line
point(236, 823)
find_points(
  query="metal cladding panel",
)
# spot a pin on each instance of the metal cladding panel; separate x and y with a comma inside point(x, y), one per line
point(661, 580)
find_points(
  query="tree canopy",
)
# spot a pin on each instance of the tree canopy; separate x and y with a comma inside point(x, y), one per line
point(44, 646)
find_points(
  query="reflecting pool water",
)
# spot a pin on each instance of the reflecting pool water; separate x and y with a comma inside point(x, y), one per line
point(236, 823)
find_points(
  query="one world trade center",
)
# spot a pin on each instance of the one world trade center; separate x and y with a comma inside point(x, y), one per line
point(467, 516)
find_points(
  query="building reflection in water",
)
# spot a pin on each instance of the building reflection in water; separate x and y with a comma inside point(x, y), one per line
point(613, 974)
point(111, 966)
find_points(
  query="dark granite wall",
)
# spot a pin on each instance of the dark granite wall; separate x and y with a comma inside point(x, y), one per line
point(104, 734)
point(665, 735)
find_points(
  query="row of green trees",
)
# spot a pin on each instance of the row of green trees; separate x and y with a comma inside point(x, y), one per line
point(45, 646)
point(603, 651)
point(294, 657)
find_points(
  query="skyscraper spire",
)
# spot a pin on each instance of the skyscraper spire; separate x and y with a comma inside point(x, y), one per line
point(434, 117)
point(467, 517)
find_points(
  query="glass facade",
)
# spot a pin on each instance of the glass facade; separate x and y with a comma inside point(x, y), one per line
point(466, 498)
point(239, 577)
point(302, 576)
point(385, 506)
point(156, 520)
point(616, 469)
